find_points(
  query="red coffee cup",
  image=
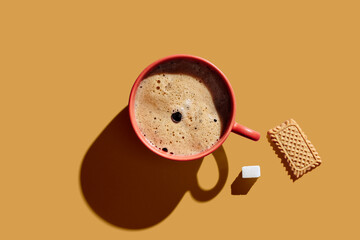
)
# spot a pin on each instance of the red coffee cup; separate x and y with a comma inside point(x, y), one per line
point(232, 126)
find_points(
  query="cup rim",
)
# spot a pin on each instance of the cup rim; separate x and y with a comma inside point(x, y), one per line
point(165, 154)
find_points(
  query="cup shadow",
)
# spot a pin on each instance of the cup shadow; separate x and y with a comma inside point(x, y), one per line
point(241, 186)
point(129, 186)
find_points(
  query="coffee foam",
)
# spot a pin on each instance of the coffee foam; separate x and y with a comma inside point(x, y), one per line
point(204, 106)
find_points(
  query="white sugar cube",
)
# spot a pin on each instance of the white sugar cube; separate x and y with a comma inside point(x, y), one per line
point(251, 171)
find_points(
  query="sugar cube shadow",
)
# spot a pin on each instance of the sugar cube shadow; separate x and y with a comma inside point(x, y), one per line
point(241, 186)
point(130, 187)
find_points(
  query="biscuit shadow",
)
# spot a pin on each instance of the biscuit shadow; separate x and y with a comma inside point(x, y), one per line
point(283, 159)
point(130, 187)
point(241, 186)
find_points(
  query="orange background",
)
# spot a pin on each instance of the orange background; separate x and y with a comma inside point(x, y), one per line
point(71, 167)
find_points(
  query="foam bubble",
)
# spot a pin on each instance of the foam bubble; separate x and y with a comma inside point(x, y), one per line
point(201, 123)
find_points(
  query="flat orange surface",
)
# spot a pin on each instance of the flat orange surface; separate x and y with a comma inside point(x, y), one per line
point(71, 167)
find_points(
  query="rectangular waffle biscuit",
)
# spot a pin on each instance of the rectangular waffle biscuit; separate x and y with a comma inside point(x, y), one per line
point(298, 151)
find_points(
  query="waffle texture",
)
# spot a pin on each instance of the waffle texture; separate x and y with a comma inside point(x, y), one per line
point(298, 151)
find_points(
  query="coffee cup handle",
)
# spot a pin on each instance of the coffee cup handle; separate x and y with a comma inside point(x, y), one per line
point(245, 132)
